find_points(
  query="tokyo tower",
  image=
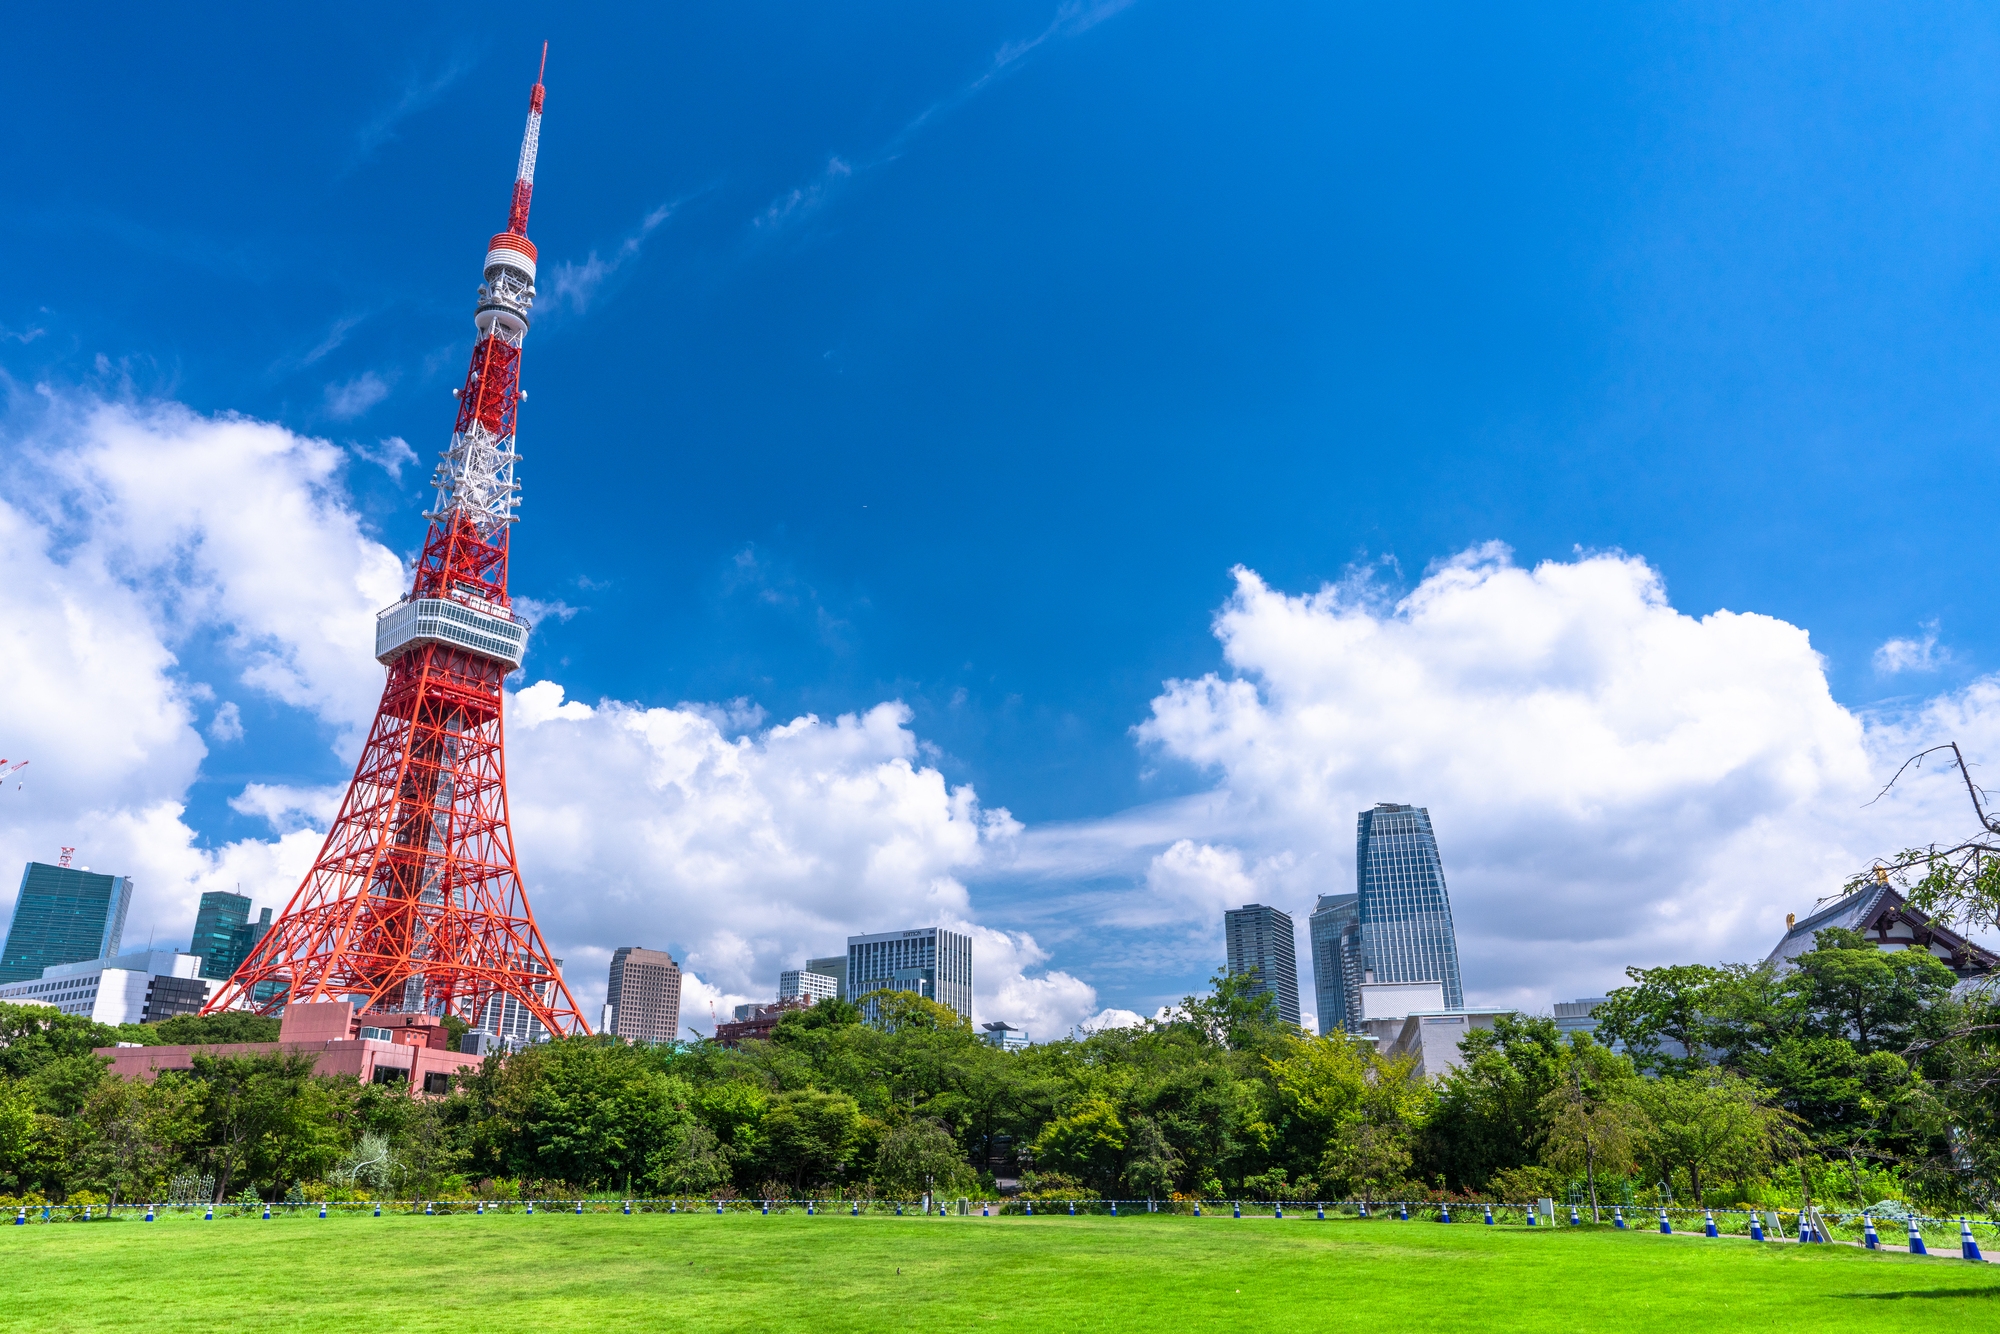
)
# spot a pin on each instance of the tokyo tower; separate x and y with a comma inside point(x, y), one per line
point(415, 903)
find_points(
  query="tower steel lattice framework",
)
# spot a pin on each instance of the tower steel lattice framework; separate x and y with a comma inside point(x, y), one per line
point(415, 902)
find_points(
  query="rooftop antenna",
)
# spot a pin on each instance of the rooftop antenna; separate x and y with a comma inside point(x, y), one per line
point(67, 853)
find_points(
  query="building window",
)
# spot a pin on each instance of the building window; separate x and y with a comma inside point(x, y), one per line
point(391, 1074)
point(437, 1082)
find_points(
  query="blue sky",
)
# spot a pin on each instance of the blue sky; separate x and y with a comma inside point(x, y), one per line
point(955, 355)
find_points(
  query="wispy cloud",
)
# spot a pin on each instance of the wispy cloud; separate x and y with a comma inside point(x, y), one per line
point(1070, 20)
point(418, 92)
point(574, 286)
point(1912, 655)
point(539, 612)
point(351, 398)
point(804, 198)
point(23, 336)
point(390, 454)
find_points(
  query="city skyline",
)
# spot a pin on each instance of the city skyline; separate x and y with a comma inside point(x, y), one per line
point(1038, 469)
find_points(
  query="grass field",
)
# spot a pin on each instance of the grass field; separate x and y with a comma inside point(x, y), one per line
point(743, 1272)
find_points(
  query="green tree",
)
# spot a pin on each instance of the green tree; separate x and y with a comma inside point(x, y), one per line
point(919, 1157)
point(1679, 1006)
point(265, 1121)
point(138, 1132)
point(1489, 1113)
point(1710, 1123)
point(1591, 1117)
point(1087, 1142)
point(31, 1036)
point(1871, 997)
point(810, 1135)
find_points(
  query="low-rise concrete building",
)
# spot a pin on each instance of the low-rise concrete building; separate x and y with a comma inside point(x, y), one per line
point(1410, 1019)
point(410, 1049)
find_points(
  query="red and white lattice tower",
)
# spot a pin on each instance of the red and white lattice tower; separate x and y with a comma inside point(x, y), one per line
point(415, 903)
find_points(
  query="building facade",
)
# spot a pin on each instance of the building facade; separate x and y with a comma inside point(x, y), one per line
point(219, 932)
point(1403, 909)
point(507, 1024)
point(1259, 940)
point(804, 983)
point(1886, 920)
point(63, 915)
point(1335, 929)
point(931, 961)
point(143, 987)
point(835, 967)
point(1004, 1036)
point(643, 998)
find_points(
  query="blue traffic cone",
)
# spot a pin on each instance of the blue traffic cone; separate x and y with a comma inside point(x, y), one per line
point(1618, 1217)
point(984, 1212)
point(1868, 1237)
point(718, 1207)
point(1574, 1221)
point(1916, 1238)
point(267, 1211)
point(1277, 1211)
point(766, 1207)
point(209, 1216)
point(1666, 1228)
point(579, 1206)
point(1533, 1221)
point(1805, 1227)
point(1756, 1226)
point(1322, 1213)
point(1968, 1246)
point(1114, 1208)
point(628, 1208)
point(1031, 1208)
point(1072, 1208)
point(427, 1208)
point(854, 1210)
point(899, 1208)
point(21, 1218)
point(322, 1208)
point(86, 1212)
point(1444, 1213)
point(673, 1206)
point(1489, 1215)
point(1403, 1212)
point(1364, 1209)
point(480, 1208)
point(531, 1207)
point(149, 1213)
point(809, 1208)
point(1708, 1223)
point(1237, 1205)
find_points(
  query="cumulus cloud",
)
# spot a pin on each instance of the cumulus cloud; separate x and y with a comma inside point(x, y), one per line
point(1612, 781)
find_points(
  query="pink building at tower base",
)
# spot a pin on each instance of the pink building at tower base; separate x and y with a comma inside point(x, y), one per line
point(410, 1049)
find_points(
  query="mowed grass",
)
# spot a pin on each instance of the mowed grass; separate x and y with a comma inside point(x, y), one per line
point(833, 1272)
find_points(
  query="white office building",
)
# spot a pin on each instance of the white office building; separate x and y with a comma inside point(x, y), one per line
point(140, 987)
point(931, 961)
point(804, 984)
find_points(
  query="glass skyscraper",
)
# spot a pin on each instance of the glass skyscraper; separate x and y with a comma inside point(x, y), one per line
point(1336, 955)
point(1405, 915)
point(1260, 941)
point(63, 915)
point(219, 934)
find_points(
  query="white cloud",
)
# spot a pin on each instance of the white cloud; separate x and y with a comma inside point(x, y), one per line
point(1612, 781)
point(287, 809)
point(391, 454)
point(576, 285)
point(227, 724)
point(351, 398)
point(1912, 655)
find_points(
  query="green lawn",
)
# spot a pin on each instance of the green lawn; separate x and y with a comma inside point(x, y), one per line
point(832, 1272)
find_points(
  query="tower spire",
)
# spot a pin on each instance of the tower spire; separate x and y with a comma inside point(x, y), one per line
point(415, 903)
point(531, 140)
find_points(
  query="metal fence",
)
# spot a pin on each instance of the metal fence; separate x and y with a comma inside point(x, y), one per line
point(1937, 1235)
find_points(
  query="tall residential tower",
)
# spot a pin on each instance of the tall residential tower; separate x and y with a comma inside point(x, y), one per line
point(1260, 942)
